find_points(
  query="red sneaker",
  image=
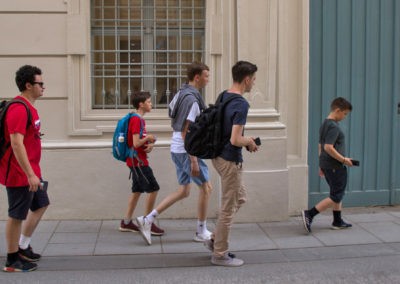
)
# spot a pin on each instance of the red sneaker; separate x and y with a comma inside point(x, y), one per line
point(156, 231)
point(130, 227)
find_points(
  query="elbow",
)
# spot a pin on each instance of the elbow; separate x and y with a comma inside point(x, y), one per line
point(234, 142)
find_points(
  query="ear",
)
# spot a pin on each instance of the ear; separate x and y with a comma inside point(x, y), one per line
point(28, 85)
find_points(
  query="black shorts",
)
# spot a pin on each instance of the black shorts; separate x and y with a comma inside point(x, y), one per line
point(337, 181)
point(143, 180)
point(20, 200)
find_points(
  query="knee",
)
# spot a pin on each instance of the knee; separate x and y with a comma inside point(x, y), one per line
point(184, 192)
point(336, 199)
point(206, 189)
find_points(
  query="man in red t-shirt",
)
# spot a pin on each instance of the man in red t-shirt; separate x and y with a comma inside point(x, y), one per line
point(20, 172)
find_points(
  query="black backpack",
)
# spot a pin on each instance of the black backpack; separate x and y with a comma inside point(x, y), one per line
point(4, 105)
point(204, 136)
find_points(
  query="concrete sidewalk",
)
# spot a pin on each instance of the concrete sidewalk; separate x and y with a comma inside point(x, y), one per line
point(68, 245)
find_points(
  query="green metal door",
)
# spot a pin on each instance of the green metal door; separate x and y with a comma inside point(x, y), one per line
point(355, 53)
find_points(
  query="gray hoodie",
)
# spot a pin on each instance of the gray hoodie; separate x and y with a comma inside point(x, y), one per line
point(181, 104)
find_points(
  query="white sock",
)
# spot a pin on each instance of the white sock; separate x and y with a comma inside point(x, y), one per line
point(24, 241)
point(201, 226)
point(127, 221)
point(153, 215)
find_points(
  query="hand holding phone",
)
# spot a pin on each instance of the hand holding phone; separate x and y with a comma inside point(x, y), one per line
point(355, 163)
point(44, 184)
point(257, 141)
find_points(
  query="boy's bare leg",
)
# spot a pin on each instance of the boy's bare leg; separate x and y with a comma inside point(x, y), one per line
point(182, 192)
point(204, 197)
point(32, 220)
point(151, 200)
point(132, 203)
point(325, 204)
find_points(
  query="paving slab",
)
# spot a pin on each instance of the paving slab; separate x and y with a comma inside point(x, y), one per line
point(386, 231)
point(289, 235)
point(81, 226)
point(116, 242)
point(71, 238)
point(69, 249)
point(249, 237)
point(338, 252)
point(371, 217)
point(180, 242)
point(350, 236)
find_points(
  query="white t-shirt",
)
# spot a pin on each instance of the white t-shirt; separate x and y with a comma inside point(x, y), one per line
point(177, 143)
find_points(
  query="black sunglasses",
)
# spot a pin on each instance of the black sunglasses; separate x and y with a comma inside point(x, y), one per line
point(41, 84)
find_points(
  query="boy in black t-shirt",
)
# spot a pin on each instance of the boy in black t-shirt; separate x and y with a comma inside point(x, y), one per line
point(229, 163)
point(332, 162)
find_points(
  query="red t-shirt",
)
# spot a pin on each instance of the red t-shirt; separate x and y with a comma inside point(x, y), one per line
point(135, 125)
point(15, 122)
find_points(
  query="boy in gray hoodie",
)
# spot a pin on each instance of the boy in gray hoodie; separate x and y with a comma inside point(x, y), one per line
point(183, 109)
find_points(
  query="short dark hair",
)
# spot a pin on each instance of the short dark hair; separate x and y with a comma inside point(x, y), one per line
point(26, 74)
point(139, 97)
point(195, 68)
point(341, 103)
point(241, 70)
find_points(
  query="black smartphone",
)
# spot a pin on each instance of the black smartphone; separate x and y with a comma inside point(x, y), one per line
point(355, 163)
point(44, 184)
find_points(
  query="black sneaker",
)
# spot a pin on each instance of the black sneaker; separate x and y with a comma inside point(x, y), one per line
point(28, 254)
point(307, 220)
point(19, 266)
point(341, 225)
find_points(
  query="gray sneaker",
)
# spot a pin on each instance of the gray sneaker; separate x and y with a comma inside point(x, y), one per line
point(226, 260)
point(209, 244)
point(144, 229)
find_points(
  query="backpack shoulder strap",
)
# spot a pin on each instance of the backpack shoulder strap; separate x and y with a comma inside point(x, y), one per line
point(226, 101)
point(28, 122)
point(141, 123)
point(20, 101)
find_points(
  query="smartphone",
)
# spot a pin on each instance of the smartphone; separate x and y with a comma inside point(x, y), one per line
point(257, 141)
point(44, 184)
point(355, 163)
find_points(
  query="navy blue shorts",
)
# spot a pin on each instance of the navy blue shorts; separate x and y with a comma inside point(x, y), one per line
point(20, 200)
point(143, 180)
point(337, 181)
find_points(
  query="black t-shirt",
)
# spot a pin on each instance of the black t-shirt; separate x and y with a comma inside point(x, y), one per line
point(330, 133)
point(235, 114)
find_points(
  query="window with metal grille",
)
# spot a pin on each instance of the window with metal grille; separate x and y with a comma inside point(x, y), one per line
point(143, 45)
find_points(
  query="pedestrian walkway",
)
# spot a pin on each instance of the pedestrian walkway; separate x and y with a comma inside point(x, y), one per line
point(374, 232)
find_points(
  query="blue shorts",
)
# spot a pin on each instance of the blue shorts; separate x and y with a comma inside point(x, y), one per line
point(337, 181)
point(182, 165)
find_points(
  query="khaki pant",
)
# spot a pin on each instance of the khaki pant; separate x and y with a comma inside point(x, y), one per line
point(233, 196)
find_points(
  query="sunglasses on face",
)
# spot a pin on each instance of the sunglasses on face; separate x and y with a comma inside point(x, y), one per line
point(41, 84)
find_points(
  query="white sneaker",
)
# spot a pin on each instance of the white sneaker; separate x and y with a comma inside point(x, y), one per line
point(206, 235)
point(144, 229)
point(226, 260)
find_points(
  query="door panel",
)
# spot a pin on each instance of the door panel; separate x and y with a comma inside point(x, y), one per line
point(355, 53)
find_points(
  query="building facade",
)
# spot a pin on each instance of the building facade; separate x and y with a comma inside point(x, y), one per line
point(95, 54)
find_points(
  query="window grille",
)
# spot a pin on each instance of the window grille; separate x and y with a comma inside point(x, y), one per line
point(143, 45)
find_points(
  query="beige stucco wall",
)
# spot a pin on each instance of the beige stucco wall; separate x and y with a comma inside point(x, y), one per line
point(86, 182)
